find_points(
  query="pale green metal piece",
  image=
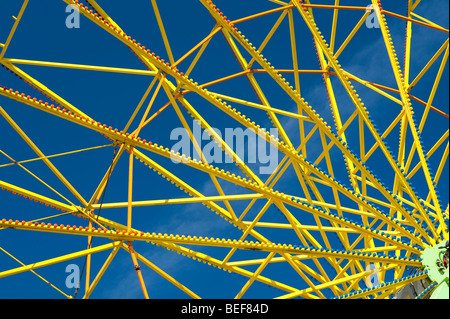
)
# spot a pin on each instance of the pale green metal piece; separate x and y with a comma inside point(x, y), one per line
point(432, 260)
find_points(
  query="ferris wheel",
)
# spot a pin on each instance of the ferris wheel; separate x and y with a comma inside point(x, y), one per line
point(272, 149)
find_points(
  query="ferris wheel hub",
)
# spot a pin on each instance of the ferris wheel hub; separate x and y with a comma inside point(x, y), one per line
point(435, 261)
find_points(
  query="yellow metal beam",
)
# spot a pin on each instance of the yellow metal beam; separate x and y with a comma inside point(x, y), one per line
point(122, 235)
point(428, 65)
point(334, 25)
point(101, 272)
point(174, 201)
point(81, 67)
point(37, 197)
point(163, 274)
point(354, 277)
point(102, 13)
point(56, 260)
point(262, 107)
point(269, 36)
point(132, 141)
point(56, 155)
point(13, 29)
point(37, 275)
point(163, 31)
point(244, 42)
point(41, 155)
point(39, 179)
point(408, 112)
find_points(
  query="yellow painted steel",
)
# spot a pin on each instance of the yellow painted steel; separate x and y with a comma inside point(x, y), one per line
point(41, 155)
point(140, 236)
point(37, 275)
point(13, 29)
point(52, 261)
point(165, 152)
point(101, 272)
point(80, 67)
point(163, 274)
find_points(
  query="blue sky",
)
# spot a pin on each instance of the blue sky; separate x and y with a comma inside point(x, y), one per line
point(111, 98)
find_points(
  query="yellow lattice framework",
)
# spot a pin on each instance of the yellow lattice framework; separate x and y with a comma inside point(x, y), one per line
point(393, 227)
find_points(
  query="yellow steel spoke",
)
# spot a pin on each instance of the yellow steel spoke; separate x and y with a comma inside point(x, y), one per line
point(330, 238)
point(43, 89)
point(40, 180)
point(41, 155)
point(269, 36)
point(55, 155)
point(429, 64)
point(13, 30)
point(60, 259)
point(101, 272)
point(163, 31)
point(81, 67)
point(163, 274)
point(178, 201)
point(36, 274)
